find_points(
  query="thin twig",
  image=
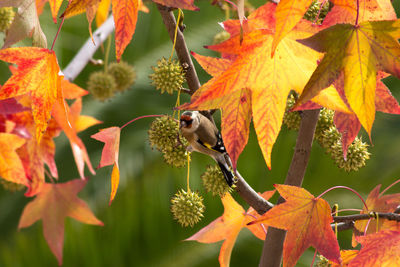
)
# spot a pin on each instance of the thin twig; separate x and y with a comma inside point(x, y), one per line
point(367, 216)
point(85, 54)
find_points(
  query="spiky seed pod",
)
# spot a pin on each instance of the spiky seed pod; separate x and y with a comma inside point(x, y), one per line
point(330, 137)
point(163, 135)
point(214, 181)
point(323, 262)
point(291, 119)
point(187, 207)
point(123, 73)
point(312, 12)
point(101, 85)
point(10, 186)
point(220, 37)
point(325, 121)
point(6, 18)
point(175, 156)
point(168, 76)
point(357, 154)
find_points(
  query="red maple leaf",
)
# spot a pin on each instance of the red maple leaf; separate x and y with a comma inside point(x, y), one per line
point(307, 220)
point(109, 156)
point(52, 204)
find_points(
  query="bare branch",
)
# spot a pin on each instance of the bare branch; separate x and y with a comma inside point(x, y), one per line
point(273, 245)
point(85, 54)
point(367, 216)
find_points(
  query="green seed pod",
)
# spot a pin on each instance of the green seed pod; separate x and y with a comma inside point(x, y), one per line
point(221, 37)
point(123, 73)
point(187, 207)
point(323, 262)
point(330, 137)
point(168, 76)
point(357, 154)
point(325, 121)
point(176, 156)
point(163, 135)
point(291, 119)
point(6, 18)
point(101, 85)
point(214, 181)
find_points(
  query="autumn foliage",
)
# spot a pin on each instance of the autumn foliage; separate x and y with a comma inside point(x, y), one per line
point(271, 53)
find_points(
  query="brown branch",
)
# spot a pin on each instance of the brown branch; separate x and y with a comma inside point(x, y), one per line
point(180, 48)
point(242, 187)
point(273, 245)
point(343, 226)
point(357, 217)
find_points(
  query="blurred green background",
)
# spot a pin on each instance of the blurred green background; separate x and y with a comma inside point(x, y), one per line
point(139, 229)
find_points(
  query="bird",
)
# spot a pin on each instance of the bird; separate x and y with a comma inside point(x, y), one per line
point(204, 137)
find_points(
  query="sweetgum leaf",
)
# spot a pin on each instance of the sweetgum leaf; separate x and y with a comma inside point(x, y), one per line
point(307, 221)
point(359, 52)
point(38, 76)
point(109, 156)
point(52, 204)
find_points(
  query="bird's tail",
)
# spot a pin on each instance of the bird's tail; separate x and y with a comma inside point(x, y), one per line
point(228, 173)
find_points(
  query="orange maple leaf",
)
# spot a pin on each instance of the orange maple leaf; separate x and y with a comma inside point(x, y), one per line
point(38, 76)
point(53, 203)
point(347, 256)
point(104, 8)
point(307, 221)
point(359, 52)
point(228, 226)
point(125, 14)
point(377, 202)
point(254, 76)
point(347, 123)
point(109, 155)
point(71, 90)
point(288, 14)
point(11, 167)
point(379, 249)
point(70, 122)
point(33, 154)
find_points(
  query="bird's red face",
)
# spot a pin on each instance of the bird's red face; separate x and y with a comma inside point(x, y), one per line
point(186, 121)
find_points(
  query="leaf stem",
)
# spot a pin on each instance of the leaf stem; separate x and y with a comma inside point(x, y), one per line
point(58, 32)
point(313, 259)
point(390, 186)
point(176, 32)
point(345, 187)
point(188, 172)
point(138, 118)
point(358, 12)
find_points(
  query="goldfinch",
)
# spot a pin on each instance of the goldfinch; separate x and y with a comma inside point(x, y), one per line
point(204, 137)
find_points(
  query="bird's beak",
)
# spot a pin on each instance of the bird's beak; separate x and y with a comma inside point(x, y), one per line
point(182, 124)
